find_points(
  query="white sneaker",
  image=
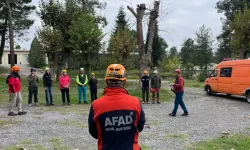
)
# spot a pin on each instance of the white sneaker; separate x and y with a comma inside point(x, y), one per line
point(29, 105)
point(36, 104)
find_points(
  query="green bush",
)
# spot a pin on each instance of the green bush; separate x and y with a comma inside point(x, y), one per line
point(202, 77)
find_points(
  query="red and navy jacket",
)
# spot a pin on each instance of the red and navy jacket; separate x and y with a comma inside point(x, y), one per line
point(179, 85)
point(116, 120)
point(14, 83)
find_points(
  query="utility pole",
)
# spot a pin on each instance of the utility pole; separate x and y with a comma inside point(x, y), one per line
point(11, 34)
point(145, 56)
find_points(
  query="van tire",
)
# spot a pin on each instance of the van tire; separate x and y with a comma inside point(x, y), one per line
point(248, 97)
point(209, 90)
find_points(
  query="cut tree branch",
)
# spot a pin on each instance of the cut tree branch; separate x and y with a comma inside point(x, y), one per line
point(132, 11)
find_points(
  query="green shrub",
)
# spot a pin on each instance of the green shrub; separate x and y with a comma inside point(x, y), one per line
point(202, 77)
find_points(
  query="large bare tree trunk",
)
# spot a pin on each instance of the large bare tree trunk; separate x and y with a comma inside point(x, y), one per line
point(152, 21)
point(11, 34)
point(3, 34)
point(243, 50)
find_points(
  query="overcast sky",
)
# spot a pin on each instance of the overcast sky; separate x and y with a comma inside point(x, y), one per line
point(178, 20)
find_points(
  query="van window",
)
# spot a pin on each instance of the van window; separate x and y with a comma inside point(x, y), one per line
point(214, 73)
point(225, 72)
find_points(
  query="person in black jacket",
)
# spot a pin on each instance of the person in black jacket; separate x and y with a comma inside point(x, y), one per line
point(145, 87)
point(47, 82)
point(93, 87)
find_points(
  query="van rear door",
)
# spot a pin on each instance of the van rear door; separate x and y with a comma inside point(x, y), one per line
point(240, 79)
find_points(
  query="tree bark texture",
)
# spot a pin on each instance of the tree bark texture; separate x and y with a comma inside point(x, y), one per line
point(3, 34)
point(11, 34)
point(152, 22)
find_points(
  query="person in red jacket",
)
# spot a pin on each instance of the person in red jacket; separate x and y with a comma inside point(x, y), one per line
point(64, 81)
point(116, 118)
point(14, 84)
point(178, 88)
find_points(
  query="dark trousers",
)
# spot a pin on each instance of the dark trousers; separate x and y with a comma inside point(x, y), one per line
point(145, 93)
point(65, 92)
point(33, 91)
point(93, 93)
point(179, 101)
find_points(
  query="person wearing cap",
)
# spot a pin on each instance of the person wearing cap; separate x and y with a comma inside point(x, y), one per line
point(178, 88)
point(15, 97)
point(116, 118)
point(64, 81)
point(33, 86)
point(93, 87)
point(82, 81)
point(145, 86)
point(155, 87)
point(47, 82)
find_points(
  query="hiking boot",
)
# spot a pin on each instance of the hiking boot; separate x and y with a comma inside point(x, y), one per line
point(85, 102)
point(153, 102)
point(170, 114)
point(52, 104)
point(184, 114)
point(22, 113)
point(69, 104)
point(29, 105)
point(158, 102)
point(148, 102)
point(48, 104)
point(12, 114)
point(143, 102)
point(79, 102)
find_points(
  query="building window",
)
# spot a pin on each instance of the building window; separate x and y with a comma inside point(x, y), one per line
point(226, 72)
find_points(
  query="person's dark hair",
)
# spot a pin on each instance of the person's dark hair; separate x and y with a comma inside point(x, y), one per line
point(115, 83)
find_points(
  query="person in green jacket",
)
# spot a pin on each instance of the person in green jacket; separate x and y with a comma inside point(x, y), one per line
point(82, 81)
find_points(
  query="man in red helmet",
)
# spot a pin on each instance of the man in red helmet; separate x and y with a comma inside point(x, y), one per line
point(116, 118)
point(14, 83)
point(178, 88)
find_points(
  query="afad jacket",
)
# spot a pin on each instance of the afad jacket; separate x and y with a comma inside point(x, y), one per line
point(116, 120)
point(64, 82)
point(14, 83)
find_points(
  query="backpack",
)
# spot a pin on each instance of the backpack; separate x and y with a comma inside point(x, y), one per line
point(7, 79)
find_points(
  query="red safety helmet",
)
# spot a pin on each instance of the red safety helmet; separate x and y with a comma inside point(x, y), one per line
point(178, 71)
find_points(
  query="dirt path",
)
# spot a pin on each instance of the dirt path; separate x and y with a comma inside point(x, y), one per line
point(65, 127)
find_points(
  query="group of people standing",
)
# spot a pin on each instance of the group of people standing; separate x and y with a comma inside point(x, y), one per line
point(14, 84)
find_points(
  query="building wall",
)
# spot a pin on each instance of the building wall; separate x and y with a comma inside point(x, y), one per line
point(21, 57)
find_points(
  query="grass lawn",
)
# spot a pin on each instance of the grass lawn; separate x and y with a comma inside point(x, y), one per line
point(132, 88)
point(234, 142)
point(194, 84)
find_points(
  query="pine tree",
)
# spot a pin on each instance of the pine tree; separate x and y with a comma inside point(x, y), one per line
point(121, 22)
point(36, 57)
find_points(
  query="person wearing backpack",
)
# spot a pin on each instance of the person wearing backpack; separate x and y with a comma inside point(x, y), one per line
point(82, 81)
point(14, 84)
point(33, 88)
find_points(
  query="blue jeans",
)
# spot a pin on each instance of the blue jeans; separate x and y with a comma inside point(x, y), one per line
point(179, 101)
point(48, 93)
point(82, 91)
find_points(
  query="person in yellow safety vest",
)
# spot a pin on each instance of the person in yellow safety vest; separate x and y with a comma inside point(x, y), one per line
point(82, 81)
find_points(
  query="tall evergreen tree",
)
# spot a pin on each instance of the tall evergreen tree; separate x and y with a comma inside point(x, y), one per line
point(120, 22)
point(187, 51)
point(203, 54)
point(36, 56)
point(159, 46)
point(21, 9)
point(173, 52)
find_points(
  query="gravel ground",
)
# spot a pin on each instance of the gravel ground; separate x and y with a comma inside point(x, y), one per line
point(209, 117)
